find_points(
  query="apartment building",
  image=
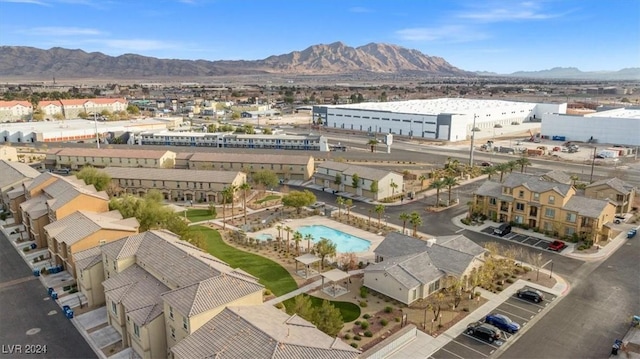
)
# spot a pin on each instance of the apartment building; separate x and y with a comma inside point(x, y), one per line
point(176, 184)
point(622, 194)
point(260, 332)
point(160, 289)
point(551, 207)
point(339, 176)
point(84, 230)
point(50, 197)
point(71, 108)
point(13, 175)
point(11, 111)
point(285, 167)
point(75, 158)
point(8, 153)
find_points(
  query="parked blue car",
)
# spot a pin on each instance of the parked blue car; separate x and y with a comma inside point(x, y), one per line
point(632, 233)
point(502, 322)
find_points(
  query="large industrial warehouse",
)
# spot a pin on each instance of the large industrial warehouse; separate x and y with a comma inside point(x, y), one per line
point(619, 127)
point(447, 119)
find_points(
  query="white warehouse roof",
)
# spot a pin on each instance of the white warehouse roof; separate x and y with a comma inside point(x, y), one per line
point(617, 113)
point(435, 106)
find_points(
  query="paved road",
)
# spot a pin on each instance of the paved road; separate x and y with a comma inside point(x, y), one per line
point(597, 310)
point(24, 308)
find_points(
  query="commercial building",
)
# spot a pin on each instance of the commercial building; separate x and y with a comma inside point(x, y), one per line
point(619, 126)
point(75, 158)
point(296, 167)
point(447, 119)
point(409, 269)
point(176, 184)
point(551, 207)
point(370, 182)
point(233, 140)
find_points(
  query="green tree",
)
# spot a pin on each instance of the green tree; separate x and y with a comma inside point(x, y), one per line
point(309, 239)
point(90, 175)
point(347, 204)
point(511, 165)
point(404, 217)
point(328, 319)
point(58, 116)
point(340, 203)
point(244, 188)
point(298, 199)
point(338, 180)
point(393, 186)
point(373, 187)
point(438, 184)
point(303, 307)
point(489, 170)
point(379, 209)
point(212, 128)
point(212, 210)
point(325, 248)
point(450, 181)
point(265, 178)
point(267, 131)
point(422, 178)
point(133, 110)
point(415, 220)
point(83, 115)
point(502, 168)
point(38, 115)
point(523, 162)
point(372, 144)
point(289, 230)
point(297, 238)
point(355, 181)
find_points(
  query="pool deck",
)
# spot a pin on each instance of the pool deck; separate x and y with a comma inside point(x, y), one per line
point(324, 221)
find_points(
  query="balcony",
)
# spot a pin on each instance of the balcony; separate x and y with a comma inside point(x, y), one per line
point(533, 212)
point(504, 206)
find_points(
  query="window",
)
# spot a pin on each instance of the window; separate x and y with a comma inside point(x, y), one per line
point(569, 231)
point(547, 226)
point(519, 206)
point(114, 307)
point(536, 196)
point(171, 312)
point(571, 217)
point(434, 286)
point(550, 212)
point(136, 330)
point(173, 332)
point(520, 194)
point(492, 201)
point(185, 323)
point(552, 199)
point(518, 219)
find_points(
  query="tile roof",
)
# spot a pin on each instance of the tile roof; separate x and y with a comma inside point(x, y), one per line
point(167, 174)
point(558, 176)
point(250, 158)
point(9, 104)
point(615, 183)
point(36, 206)
point(410, 270)
point(492, 189)
point(349, 170)
point(14, 172)
point(535, 183)
point(111, 153)
point(586, 207)
point(81, 224)
point(87, 258)
point(69, 194)
point(138, 291)
point(261, 331)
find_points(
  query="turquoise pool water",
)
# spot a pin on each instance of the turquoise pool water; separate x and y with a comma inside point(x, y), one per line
point(344, 241)
point(264, 236)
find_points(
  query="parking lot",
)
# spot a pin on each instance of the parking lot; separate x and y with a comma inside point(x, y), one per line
point(519, 310)
point(523, 239)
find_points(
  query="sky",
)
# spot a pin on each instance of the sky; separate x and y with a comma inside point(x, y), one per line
point(475, 35)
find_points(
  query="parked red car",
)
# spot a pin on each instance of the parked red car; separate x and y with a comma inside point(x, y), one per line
point(557, 246)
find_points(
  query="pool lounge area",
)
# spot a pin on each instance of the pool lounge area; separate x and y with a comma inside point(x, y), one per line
point(347, 238)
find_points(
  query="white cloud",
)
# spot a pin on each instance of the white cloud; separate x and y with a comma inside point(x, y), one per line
point(62, 31)
point(33, 2)
point(509, 11)
point(449, 33)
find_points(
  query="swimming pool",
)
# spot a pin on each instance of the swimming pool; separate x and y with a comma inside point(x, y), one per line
point(344, 241)
point(264, 237)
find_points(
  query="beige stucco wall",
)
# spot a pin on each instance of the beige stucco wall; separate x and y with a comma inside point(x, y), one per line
point(74, 162)
point(151, 343)
point(286, 171)
point(604, 191)
point(90, 284)
point(386, 285)
point(8, 153)
point(83, 202)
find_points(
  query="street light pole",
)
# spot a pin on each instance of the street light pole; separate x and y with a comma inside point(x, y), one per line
point(473, 137)
point(95, 121)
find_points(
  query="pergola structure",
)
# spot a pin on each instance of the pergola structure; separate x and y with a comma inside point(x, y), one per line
point(307, 259)
point(334, 276)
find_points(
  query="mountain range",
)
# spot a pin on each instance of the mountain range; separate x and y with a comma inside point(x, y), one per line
point(330, 59)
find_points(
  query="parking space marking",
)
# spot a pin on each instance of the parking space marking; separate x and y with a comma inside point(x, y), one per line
point(452, 353)
point(470, 348)
point(525, 309)
point(480, 341)
point(511, 315)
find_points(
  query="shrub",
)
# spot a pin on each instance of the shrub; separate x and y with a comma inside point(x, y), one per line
point(26, 249)
point(267, 292)
point(388, 309)
point(357, 322)
point(347, 336)
point(368, 334)
point(499, 288)
point(476, 294)
point(354, 344)
point(465, 309)
point(364, 291)
point(510, 280)
point(363, 304)
point(279, 305)
point(397, 319)
point(384, 322)
point(526, 269)
point(364, 325)
point(367, 316)
point(357, 337)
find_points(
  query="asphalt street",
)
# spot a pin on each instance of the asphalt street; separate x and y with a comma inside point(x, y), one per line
point(29, 320)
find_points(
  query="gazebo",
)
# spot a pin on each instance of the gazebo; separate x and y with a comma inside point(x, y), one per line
point(334, 276)
point(307, 259)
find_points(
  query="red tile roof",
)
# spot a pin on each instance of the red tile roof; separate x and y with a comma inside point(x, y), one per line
point(9, 104)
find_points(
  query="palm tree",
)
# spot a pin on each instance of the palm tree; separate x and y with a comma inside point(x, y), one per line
point(297, 237)
point(489, 170)
point(452, 166)
point(373, 143)
point(415, 220)
point(502, 168)
point(523, 162)
point(340, 202)
point(574, 178)
point(422, 178)
point(438, 184)
point(309, 238)
point(325, 248)
point(450, 182)
point(511, 165)
point(224, 206)
point(404, 217)
point(244, 187)
point(279, 227)
point(393, 186)
point(379, 209)
point(288, 230)
point(347, 204)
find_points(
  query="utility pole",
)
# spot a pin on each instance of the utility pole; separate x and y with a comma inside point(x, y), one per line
point(593, 163)
point(95, 121)
point(473, 137)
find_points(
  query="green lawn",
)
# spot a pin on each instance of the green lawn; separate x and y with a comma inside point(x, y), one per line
point(349, 311)
point(271, 274)
point(271, 197)
point(197, 215)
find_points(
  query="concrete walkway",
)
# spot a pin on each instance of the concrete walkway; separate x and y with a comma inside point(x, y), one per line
point(307, 288)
